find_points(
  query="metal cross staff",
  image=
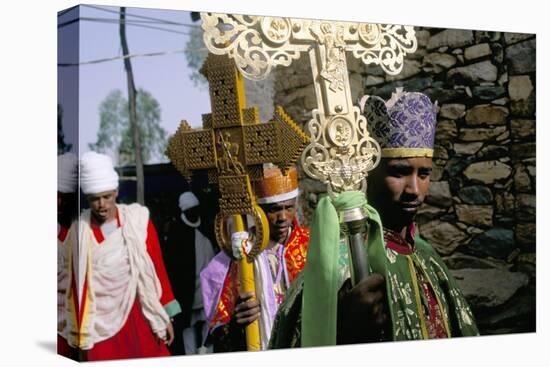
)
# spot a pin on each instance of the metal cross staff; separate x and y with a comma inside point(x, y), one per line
point(340, 152)
point(233, 146)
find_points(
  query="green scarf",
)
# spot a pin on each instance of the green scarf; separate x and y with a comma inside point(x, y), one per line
point(321, 279)
point(321, 273)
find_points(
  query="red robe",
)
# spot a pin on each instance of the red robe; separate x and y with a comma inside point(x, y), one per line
point(63, 347)
point(135, 339)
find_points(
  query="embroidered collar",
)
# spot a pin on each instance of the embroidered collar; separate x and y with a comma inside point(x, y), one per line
point(396, 242)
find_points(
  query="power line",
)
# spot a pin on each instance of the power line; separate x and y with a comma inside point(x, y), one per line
point(126, 21)
point(116, 21)
point(142, 16)
point(160, 53)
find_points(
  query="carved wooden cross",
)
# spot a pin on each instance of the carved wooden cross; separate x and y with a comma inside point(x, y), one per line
point(233, 146)
point(341, 151)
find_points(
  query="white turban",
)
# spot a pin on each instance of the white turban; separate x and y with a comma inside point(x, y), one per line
point(97, 173)
point(67, 173)
point(188, 200)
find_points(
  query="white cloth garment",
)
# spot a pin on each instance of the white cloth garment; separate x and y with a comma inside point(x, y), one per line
point(187, 200)
point(119, 270)
point(67, 173)
point(66, 255)
point(62, 285)
point(278, 198)
point(97, 173)
point(266, 295)
point(264, 283)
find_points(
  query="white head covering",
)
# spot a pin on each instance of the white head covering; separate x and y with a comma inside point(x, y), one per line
point(188, 200)
point(97, 173)
point(67, 173)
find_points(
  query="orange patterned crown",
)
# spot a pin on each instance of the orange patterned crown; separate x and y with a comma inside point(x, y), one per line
point(275, 187)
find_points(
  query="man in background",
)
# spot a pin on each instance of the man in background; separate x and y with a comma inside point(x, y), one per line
point(67, 212)
point(186, 252)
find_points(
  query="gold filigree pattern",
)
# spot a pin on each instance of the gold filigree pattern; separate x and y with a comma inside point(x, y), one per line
point(233, 145)
point(340, 152)
point(257, 44)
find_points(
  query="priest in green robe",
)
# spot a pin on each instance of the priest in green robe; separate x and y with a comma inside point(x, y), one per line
point(409, 293)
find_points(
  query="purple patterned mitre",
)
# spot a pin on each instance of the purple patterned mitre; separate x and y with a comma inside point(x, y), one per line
point(404, 126)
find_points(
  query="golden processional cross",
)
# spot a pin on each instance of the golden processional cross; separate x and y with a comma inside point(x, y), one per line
point(341, 152)
point(233, 146)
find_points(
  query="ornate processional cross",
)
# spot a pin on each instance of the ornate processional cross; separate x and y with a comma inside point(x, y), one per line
point(340, 152)
point(233, 146)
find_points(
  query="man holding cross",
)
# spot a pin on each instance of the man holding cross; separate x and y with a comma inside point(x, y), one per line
point(410, 293)
point(233, 146)
point(228, 309)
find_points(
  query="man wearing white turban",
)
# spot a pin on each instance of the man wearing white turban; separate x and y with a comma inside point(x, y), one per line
point(126, 301)
point(67, 209)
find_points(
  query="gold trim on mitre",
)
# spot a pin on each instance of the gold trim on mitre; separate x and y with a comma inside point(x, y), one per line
point(275, 187)
point(407, 152)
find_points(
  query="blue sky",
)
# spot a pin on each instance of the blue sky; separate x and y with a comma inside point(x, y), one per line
point(166, 77)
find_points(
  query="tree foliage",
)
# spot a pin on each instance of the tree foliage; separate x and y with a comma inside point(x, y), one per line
point(114, 134)
point(62, 147)
point(195, 53)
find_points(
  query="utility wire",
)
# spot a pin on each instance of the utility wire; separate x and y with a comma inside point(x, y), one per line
point(116, 21)
point(127, 21)
point(160, 53)
point(142, 16)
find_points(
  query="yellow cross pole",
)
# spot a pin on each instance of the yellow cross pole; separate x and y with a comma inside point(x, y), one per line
point(232, 146)
point(246, 278)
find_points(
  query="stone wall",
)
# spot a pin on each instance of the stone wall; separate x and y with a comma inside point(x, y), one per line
point(480, 213)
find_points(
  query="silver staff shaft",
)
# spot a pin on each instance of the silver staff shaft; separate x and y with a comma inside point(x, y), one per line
point(355, 222)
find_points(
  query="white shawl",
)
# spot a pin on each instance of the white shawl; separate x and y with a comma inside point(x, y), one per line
point(116, 271)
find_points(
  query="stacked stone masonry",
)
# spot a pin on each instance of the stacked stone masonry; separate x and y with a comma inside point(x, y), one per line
point(481, 210)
